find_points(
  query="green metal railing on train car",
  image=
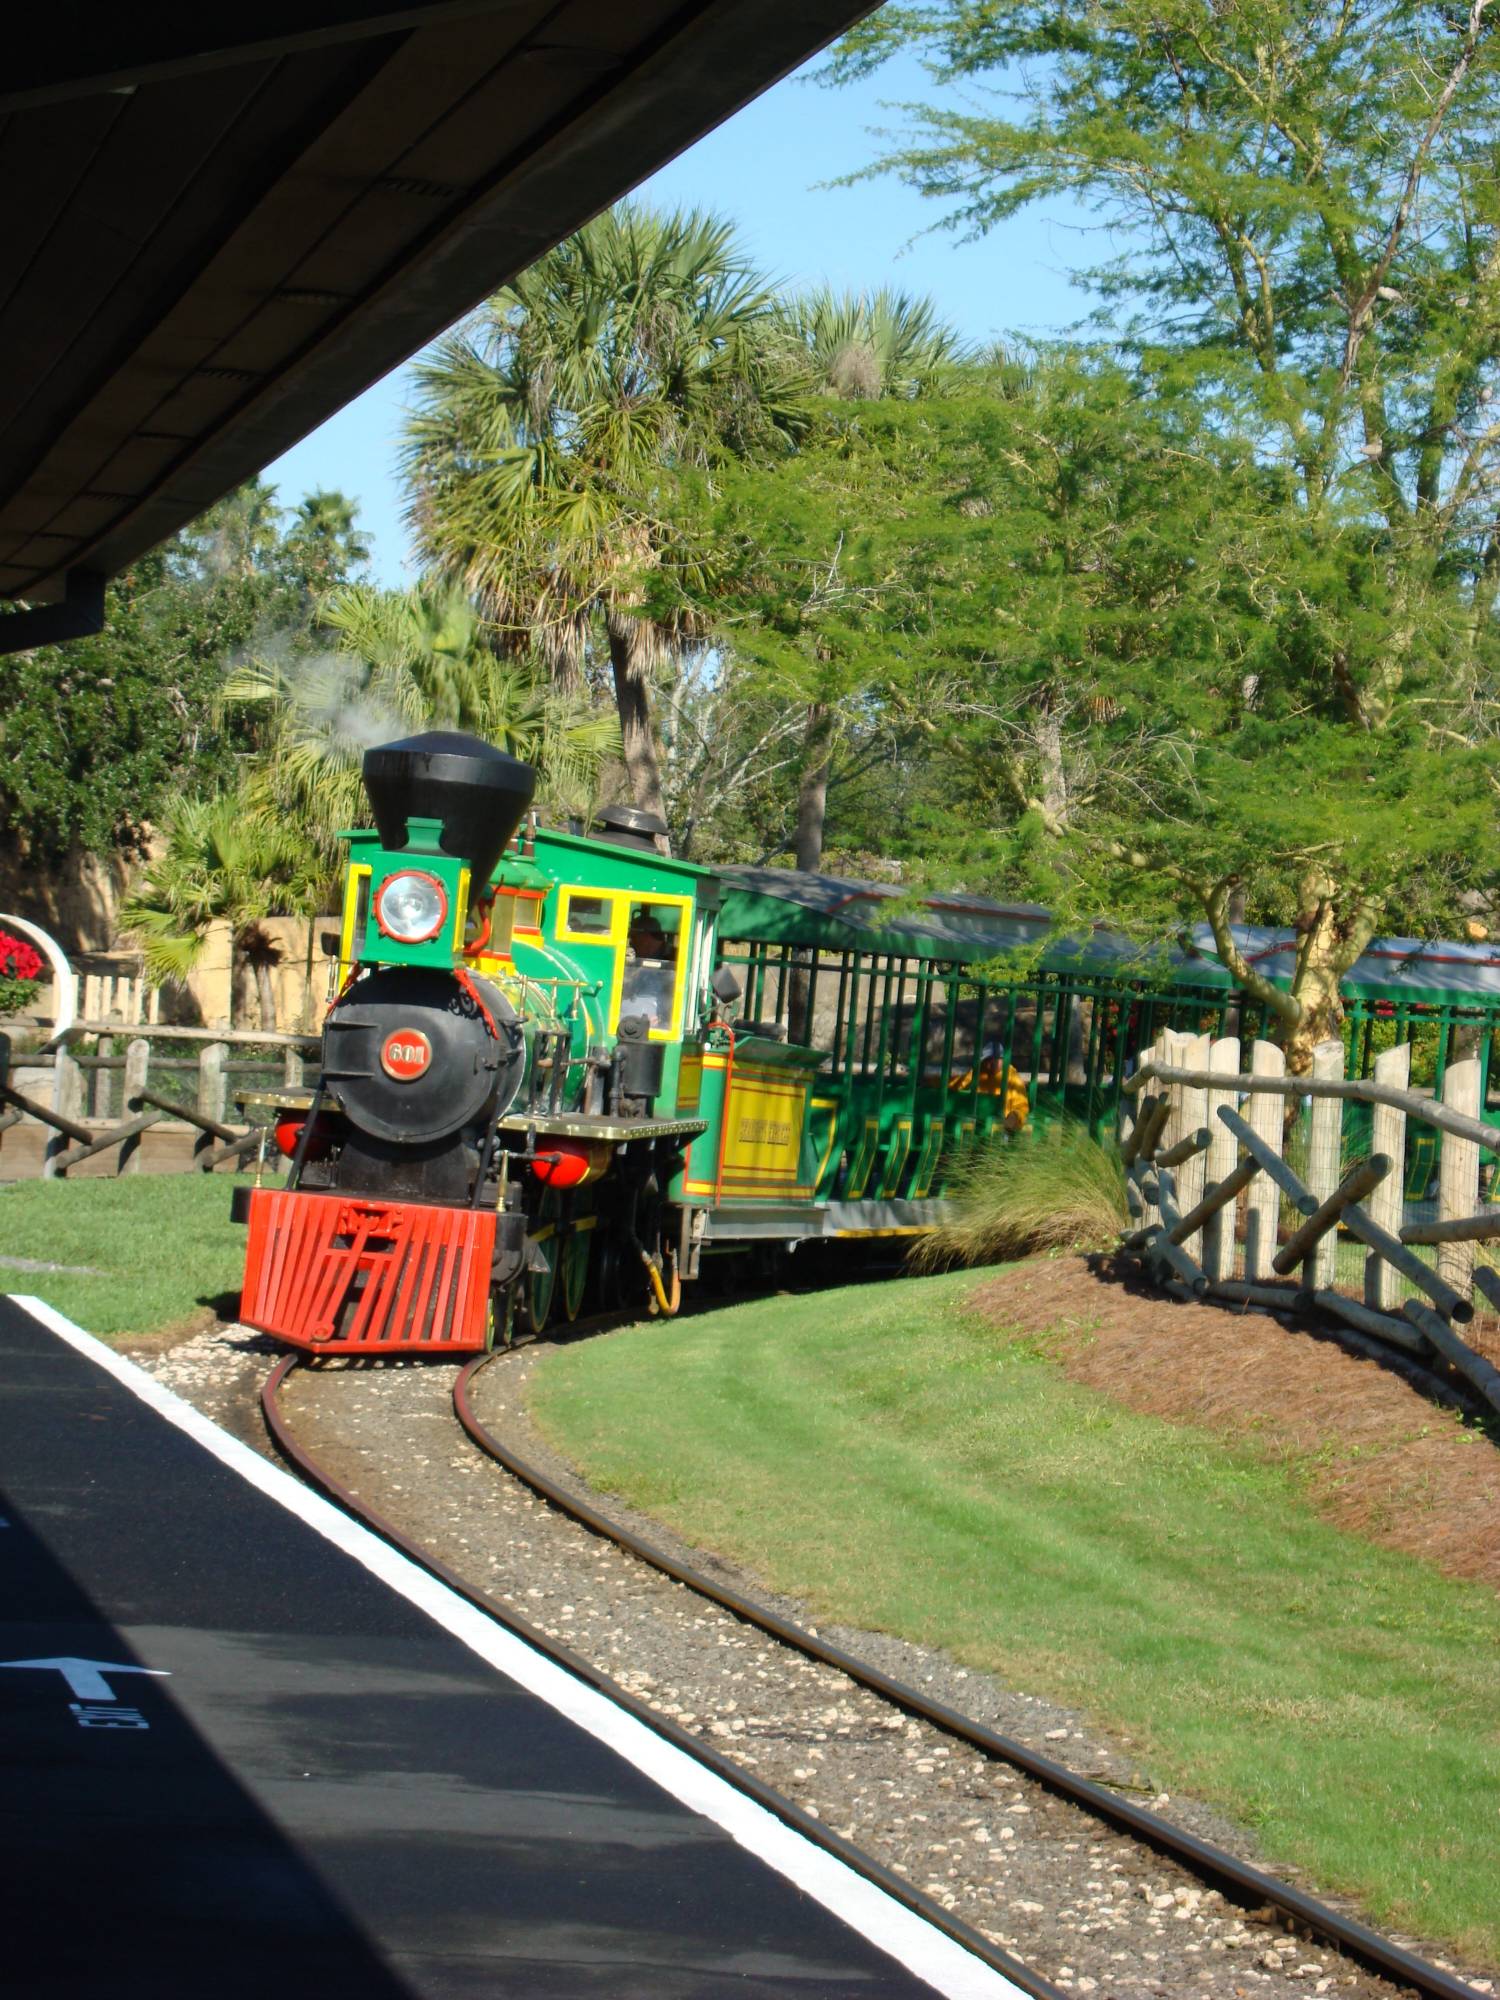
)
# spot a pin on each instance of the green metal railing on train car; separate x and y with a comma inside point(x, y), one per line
point(1072, 1037)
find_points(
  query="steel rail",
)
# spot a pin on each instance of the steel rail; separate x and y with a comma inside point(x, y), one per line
point(784, 1809)
point(1246, 1884)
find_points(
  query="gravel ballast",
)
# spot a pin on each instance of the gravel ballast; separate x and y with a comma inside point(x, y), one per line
point(1085, 1906)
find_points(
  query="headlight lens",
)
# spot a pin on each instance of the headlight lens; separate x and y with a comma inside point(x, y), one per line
point(411, 907)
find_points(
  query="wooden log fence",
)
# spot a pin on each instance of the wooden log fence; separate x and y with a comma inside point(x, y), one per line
point(1195, 1142)
point(1209, 1184)
point(1263, 1205)
point(78, 1120)
point(1385, 1326)
point(1218, 1198)
point(1357, 1183)
point(1215, 1217)
point(1467, 1229)
point(1362, 1090)
point(1388, 1136)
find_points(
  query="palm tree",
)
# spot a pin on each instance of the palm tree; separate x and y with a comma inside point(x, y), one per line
point(224, 863)
point(548, 430)
point(239, 534)
point(863, 345)
point(406, 660)
point(323, 539)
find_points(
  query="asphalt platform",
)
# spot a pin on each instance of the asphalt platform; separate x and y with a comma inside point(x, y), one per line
point(246, 1749)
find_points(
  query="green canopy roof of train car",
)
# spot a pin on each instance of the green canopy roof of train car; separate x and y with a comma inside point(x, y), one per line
point(833, 913)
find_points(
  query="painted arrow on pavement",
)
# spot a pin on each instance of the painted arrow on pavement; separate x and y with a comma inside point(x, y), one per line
point(86, 1677)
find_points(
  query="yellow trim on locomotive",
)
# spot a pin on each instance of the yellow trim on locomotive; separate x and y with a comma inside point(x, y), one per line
point(689, 1081)
point(460, 909)
point(361, 871)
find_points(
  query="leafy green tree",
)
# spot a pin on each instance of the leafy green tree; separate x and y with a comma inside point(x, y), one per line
point(859, 346)
point(100, 736)
point(1311, 224)
point(238, 537)
point(548, 427)
point(855, 347)
point(1086, 623)
point(878, 571)
point(96, 735)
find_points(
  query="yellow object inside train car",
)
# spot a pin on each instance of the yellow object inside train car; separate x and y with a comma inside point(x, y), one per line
point(998, 1079)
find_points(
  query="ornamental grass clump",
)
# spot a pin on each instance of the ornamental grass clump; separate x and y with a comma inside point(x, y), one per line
point(1059, 1189)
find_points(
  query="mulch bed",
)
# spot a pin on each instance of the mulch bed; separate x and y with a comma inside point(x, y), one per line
point(1377, 1458)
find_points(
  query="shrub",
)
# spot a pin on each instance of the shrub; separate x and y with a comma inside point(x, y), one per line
point(21, 965)
point(1052, 1190)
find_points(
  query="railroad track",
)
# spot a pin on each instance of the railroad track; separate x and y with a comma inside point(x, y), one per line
point(1022, 1976)
point(1237, 1880)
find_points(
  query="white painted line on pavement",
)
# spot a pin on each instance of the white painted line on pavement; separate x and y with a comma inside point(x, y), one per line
point(908, 1938)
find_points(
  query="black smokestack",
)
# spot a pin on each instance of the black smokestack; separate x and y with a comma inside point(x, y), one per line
point(476, 791)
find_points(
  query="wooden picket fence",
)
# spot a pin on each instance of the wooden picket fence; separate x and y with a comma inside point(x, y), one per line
point(106, 1089)
point(1222, 1207)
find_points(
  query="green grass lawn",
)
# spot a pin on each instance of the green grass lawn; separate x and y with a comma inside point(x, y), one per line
point(886, 1455)
point(162, 1244)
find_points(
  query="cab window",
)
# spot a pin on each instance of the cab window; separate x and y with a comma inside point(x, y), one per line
point(487, 930)
point(653, 948)
point(588, 916)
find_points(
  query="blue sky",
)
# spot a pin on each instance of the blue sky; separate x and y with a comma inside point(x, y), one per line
point(763, 168)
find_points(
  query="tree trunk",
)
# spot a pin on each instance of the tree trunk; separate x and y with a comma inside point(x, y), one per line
point(1047, 735)
point(265, 994)
point(630, 650)
point(565, 655)
point(1332, 931)
point(812, 792)
point(253, 949)
point(1331, 939)
point(812, 810)
point(1321, 1020)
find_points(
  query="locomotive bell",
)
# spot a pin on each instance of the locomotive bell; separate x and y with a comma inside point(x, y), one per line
point(477, 792)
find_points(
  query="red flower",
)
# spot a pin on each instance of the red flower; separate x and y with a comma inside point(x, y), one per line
point(18, 958)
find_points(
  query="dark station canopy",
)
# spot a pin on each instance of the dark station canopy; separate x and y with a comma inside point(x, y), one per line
point(222, 225)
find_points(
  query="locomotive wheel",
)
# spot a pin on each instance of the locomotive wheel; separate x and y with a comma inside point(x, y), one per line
point(606, 1270)
point(575, 1271)
point(541, 1286)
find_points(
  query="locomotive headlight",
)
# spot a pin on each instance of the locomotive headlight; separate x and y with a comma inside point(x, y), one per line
point(411, 907)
